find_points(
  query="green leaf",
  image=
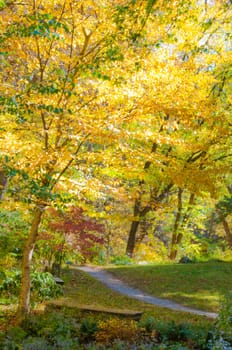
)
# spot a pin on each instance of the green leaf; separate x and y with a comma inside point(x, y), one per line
point(150, 4)
point(2, 4)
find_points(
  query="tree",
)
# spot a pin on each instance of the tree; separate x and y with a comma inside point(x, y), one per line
point(79, 230)
point(88, 82)
point(57, 60)
point(191, 149)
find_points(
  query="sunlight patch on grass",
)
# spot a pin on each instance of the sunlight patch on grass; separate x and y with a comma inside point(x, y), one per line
point(202, 297)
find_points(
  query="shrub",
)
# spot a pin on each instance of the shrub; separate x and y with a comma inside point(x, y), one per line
point(44, 287)
point(10, 283)
point(54, 331)
point(36, 344)
point(112, 329)
point(168, 331)
point(222, 337)
point(13, 339)
point(32, 324)
point(220, 344)
point(88, 329)
point(121, 260)
point(224, 322)
point(194, 336)
point(149, 324)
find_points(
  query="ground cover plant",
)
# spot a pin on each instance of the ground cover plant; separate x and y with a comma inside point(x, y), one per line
point(200, 285)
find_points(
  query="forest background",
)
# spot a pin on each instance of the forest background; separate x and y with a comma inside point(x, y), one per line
point(115, 133)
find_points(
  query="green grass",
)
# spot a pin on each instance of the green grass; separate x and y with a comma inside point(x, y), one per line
point(84, 289)
point(200, 285)
point(183, 283)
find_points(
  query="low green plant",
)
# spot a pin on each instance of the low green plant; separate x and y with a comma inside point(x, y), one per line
point(33, 323)
point(36, 344)
point(149, 324)
point(10, 283)
point(221, 338)
point(220, 344)
point(185, 333)
point(168, 331)
point(121, 260)
point(44, 287)
point(224, 322)
point(13, 339)
point(88, 328)
point(17, 333)
point(50, 331)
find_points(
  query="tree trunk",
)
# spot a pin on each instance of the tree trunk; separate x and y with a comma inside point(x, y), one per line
point(226, 227)
point(24, 300)
point(227, 231)
point(179, 224)
point(176, 237)
point(3, 182)
point(140, 213)
point(137, 211)
point(132, 238)
point(212, 224)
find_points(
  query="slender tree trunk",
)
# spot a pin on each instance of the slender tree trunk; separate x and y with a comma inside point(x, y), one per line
point(141, 212)
point(137, 211)
point(108, 243)
point(179, 224)
point(132, 238)
point(24, 300)
point(227, 231)
point(226, 227)
point(175, 236)
point(212, 224)
point(144, 227)
point(3, 182)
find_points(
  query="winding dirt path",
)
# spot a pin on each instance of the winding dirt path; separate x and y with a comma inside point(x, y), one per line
point(119, 286)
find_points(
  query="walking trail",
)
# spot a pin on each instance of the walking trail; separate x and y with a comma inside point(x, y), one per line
point(119, 286)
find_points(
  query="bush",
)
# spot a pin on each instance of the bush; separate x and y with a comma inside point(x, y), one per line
point(149, 324)
point(220, 344)
point(121, 260)
point(36, 344)
point(224, 322)
point(222, 337)
point(183, 332)
point(88, 329)
point(10, 283)
point(44, 287)
point(55, 331)
point(112, 329)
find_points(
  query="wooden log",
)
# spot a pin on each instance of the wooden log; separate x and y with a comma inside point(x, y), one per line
point(85, 309)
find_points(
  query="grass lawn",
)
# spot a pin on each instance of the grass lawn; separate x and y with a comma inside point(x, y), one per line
point(80, 288)
point(84, 289)
point(200, 285)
